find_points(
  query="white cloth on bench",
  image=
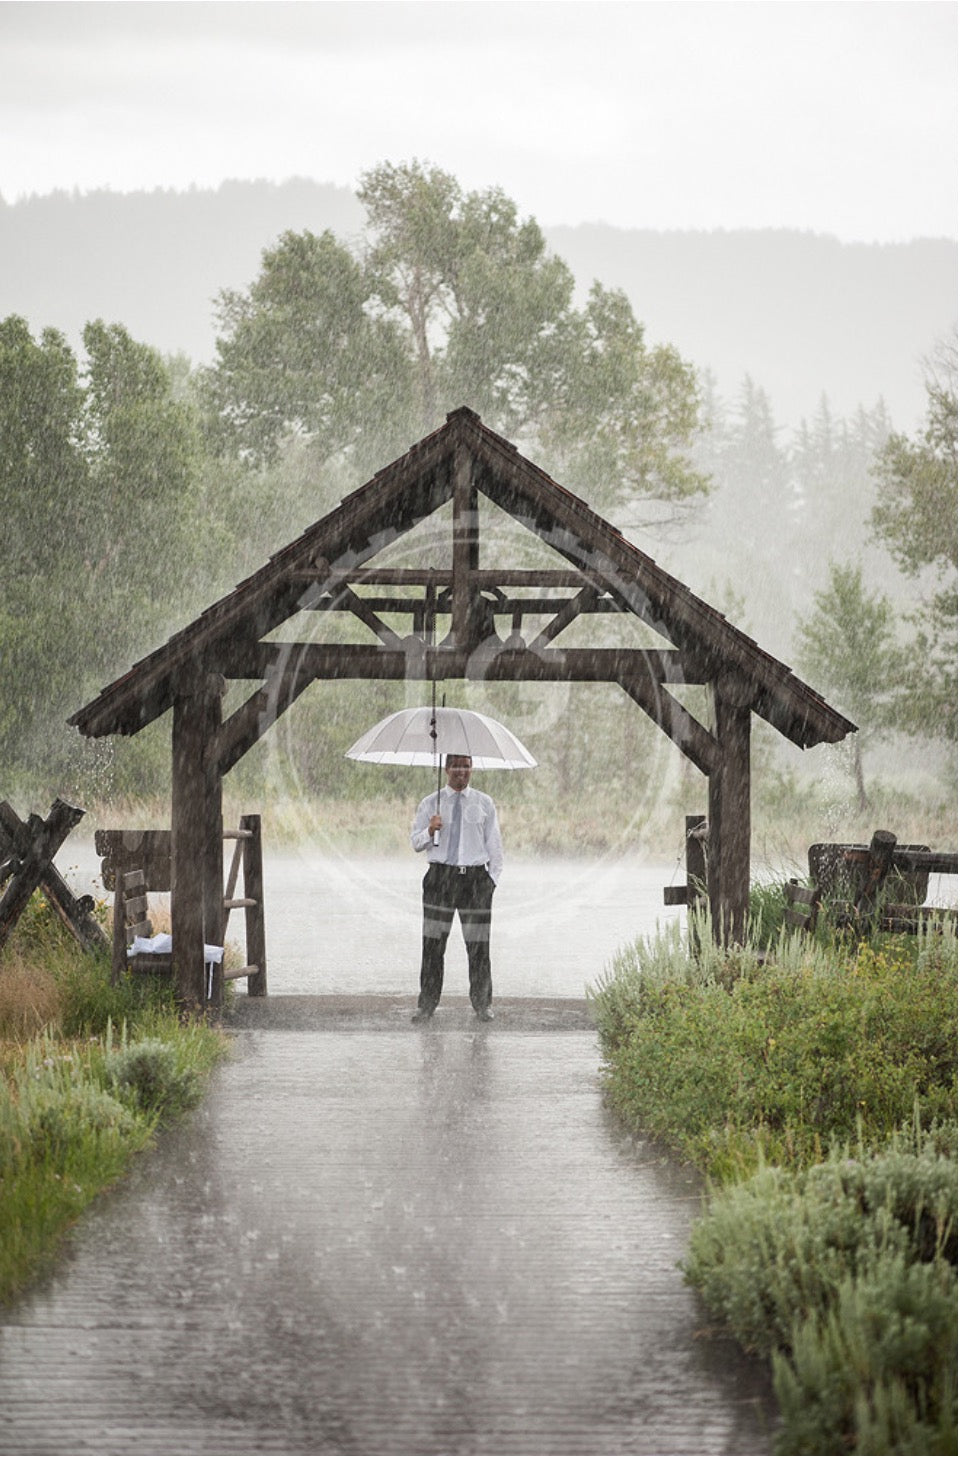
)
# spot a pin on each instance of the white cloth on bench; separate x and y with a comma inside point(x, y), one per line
point(163, 943)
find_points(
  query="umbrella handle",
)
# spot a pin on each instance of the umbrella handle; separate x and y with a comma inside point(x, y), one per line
point(433, 733)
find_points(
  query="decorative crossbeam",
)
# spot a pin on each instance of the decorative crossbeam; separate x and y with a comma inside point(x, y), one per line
point(289, 668)
point(418, 660)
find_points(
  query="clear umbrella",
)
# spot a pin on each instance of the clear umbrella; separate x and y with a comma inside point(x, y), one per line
point(424, 736)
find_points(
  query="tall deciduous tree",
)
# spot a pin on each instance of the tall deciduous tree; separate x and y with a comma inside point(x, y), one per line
point(456, 301)
point(300, 356)
point(43, 476)
point(141, 531)
point(98, 475)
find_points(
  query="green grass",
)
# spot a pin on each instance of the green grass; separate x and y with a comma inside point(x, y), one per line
point(814, 1081)
point(88, 1073)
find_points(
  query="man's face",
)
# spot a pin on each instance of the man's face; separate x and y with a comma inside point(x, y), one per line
point(458, 772)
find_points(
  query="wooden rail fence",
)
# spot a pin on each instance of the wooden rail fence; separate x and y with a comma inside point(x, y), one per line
point(882, 885)
point(27, 849)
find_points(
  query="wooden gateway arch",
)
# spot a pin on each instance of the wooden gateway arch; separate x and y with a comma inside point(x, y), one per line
point(487, 610)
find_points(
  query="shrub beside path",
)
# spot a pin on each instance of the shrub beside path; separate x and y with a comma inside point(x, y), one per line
point(375, 1239)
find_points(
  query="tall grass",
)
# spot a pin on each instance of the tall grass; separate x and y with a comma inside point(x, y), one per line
point(539, 818)
point(90, 1070)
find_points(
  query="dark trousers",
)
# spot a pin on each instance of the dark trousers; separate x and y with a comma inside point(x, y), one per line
point(447, 890)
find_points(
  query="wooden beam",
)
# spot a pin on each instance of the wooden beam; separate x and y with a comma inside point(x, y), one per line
point(443, 577)
point(504, 607)
point(466, 549)
point(347, 599)
point(255, 717)
point(214, 914)
point(686, 732)
point(419, 660)
point(570, 610)
point(195, 825)
point(254, 914)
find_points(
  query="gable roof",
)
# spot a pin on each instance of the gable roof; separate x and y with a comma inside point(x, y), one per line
point(403, 494)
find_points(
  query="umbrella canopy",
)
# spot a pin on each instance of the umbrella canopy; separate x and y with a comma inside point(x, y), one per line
point(422, 736)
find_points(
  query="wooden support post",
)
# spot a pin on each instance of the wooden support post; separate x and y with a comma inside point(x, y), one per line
point(728, 817)
point(879, 862)
point(214, 917)
point(692, 894)
point(253, 915)
point(695, 835)
point(466, 550)
point(197, 836)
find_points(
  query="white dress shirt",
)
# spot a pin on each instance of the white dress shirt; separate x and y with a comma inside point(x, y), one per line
point(480, 843)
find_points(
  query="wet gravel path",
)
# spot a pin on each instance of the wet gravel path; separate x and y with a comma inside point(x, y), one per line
point(376, 1239)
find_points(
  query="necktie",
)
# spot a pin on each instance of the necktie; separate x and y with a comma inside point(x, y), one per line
point(453, 845)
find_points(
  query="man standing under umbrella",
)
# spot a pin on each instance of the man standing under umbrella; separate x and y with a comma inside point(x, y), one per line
point(466, 860)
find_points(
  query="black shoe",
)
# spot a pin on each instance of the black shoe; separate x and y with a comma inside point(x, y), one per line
point(485, 1015)
point(422, 1016)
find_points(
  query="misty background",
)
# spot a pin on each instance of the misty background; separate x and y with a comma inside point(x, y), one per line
point(771, 187)
point(803, 314)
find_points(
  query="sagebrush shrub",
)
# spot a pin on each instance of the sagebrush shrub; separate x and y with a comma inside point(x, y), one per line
point(876, 1373)
point(777, 1248)
point(54, 1122)
point(147, 1075)
point(730, 1055)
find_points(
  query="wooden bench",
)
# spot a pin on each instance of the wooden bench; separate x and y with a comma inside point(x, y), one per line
point(137, 924)
point(136, 863)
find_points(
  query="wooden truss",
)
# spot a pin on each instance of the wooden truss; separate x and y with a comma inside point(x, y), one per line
point(465, 620)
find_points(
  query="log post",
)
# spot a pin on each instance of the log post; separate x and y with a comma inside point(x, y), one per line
point(196, 824)
point(695, 834)
point(214, 916)
point(253, 889)
point(466, 550)
point(728, 819)
point(879, 862)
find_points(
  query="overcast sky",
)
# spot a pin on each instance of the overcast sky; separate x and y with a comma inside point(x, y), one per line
point(839, 116)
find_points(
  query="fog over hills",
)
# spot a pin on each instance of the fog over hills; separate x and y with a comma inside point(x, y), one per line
point(802, 314)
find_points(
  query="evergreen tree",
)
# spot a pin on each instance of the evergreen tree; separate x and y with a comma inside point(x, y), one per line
point(916, 519)
point(847, 649)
